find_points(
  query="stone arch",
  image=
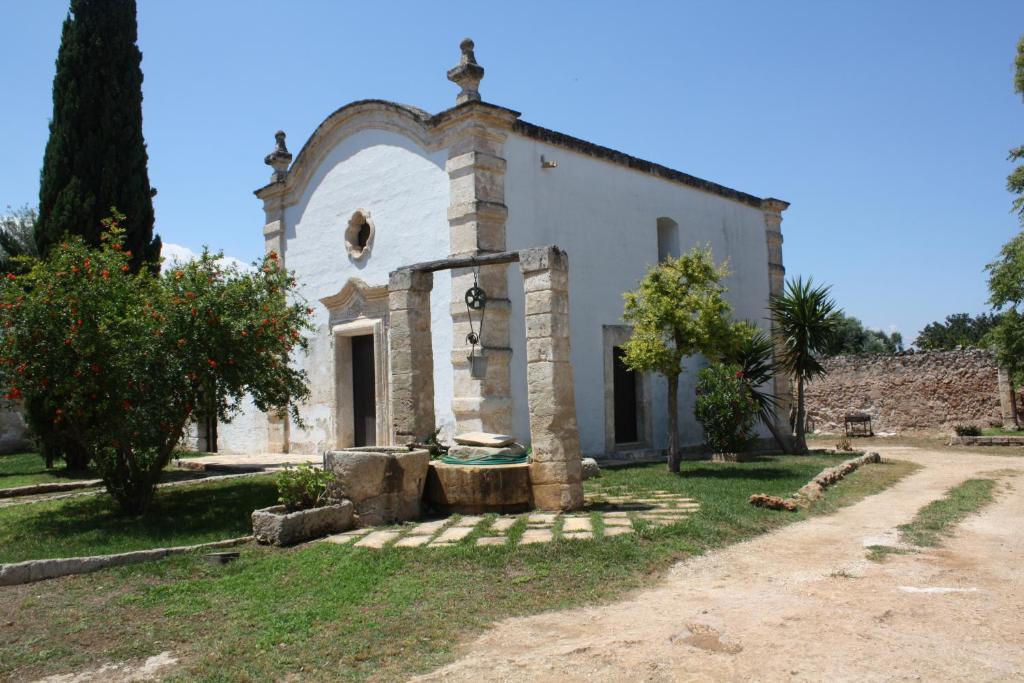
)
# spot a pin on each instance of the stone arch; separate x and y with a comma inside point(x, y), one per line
point(668, 238)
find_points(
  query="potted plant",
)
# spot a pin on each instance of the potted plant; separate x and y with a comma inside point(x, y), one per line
point(309, 508)
point(726, 411)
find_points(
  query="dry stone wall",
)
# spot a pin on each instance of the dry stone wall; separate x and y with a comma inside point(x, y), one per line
point(906, 392)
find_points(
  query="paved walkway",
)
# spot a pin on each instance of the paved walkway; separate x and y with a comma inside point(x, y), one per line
point(803, 603)
point(613, 515)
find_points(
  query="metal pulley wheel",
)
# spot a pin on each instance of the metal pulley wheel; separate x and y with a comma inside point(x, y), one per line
point(476, 298)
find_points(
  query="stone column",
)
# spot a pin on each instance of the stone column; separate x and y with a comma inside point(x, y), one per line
point(411, 356)
point(476, 219)
point(555, 464)
point(1007, 401)
point(772, 210)
point(273, 196)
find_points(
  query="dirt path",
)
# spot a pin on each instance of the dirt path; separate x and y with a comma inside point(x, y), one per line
point(803, 603)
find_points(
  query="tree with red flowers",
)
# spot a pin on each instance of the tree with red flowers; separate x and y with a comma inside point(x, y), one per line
point(122, 359)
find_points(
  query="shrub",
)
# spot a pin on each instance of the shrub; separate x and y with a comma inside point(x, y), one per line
point(967, 430)
point(725, 408)
point(120, 360)
point(304, 487)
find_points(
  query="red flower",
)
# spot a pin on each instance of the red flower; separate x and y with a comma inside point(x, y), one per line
point(125, 268)
point(87, 263)
point(14, 393)
point(127, 404)
point(105, 274)
point(95, 368)
point(272, 256)
point(11, 276)
point(74, 269)
point(212, 362)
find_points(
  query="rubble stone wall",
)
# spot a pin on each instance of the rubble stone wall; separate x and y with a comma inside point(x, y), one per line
point(907, 392)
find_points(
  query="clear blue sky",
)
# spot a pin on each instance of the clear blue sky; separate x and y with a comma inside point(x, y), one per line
point(886, 124)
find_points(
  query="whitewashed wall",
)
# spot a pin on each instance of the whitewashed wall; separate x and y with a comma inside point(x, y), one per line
point(405, 191)
point(605, 216)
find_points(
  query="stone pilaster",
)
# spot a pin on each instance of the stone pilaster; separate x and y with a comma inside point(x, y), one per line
point(411, 356)
point(772, 210)
point(1007, 400)
point(555, 464)
point(476, 218)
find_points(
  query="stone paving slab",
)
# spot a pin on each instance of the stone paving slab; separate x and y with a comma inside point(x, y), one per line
point(503, 523)
point(661, 509)
point(378, 539)
point(411, 541)
point(536, 536)
point(492, 540)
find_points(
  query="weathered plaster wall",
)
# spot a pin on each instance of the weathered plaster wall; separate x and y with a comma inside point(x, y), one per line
point(13, 431)
point(928, 391)
point(605, 217)
point(404, 189)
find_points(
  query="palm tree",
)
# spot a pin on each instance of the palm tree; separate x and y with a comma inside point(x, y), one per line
point(805, 320)
point(754, 352)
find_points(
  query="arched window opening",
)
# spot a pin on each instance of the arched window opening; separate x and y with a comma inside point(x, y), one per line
point(668, 239)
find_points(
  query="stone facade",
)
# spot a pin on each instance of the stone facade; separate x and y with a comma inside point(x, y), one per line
point(412, 367)
point(907, 392)
point(470, 181)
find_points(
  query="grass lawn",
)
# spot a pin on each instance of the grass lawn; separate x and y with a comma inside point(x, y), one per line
point(999, 431)
point(934, 442)
point(328, 612)
point(23, 469)
point(937, 519)
point(92, 525)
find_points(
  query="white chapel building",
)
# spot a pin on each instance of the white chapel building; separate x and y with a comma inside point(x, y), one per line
point(380, 186)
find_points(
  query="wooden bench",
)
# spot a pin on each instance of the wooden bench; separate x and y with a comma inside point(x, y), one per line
point(858, 424)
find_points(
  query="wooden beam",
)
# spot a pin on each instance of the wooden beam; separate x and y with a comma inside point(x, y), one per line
point(465, 262)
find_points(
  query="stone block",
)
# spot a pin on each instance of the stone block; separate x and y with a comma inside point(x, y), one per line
point(276, 526)
point(547, 301)
point(545, 280)
point(473, 452)
point(385, 485)
point(548, 349)
point(590, 468)
point(410, 279)
point(558, 496)
point(485, 439)
point(547, 325)
point(543, 258)
point(556, 472)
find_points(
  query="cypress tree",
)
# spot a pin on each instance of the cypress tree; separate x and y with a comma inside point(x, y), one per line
point(96, 156)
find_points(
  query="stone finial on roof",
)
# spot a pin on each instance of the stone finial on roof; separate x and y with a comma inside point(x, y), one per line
point(279, 159)
point(467, 75)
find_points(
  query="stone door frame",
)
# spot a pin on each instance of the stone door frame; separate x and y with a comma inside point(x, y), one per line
point(612, 336)
point(344, 429)
point(357, 310)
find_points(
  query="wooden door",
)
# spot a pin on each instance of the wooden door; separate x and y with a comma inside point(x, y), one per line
point(364, 392)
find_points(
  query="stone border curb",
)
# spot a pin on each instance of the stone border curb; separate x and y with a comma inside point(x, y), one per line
point(38, 570)
point(55, 487)
point(815, 488)
point(182, 482)
point(987, 441)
